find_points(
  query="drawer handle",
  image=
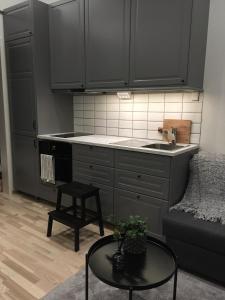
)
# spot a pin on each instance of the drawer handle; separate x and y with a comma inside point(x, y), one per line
point(138, 197)
point(90, 167)
point(139, 176)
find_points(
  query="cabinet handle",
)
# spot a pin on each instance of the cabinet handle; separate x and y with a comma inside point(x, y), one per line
point(90, 167)
point(53, 148)
point(35, 144)
point(138, 197)
point(34, 125)
point(139, 176)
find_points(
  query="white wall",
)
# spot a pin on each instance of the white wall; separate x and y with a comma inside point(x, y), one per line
point(213, 126)
point(138, 117)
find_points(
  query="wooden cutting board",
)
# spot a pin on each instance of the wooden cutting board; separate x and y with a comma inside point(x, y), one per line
point(183, 129)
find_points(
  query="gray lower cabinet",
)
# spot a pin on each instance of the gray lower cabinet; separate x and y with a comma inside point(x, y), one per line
point(99, 174)
point(149, 208)
point(67, 44)
point(142, 183)
point(155, 165)
point(132, 183)
point(94, 155)
point(107, 35)
point(106, 197)
point(25, 164)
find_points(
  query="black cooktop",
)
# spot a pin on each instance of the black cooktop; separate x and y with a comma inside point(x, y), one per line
point(71, 134)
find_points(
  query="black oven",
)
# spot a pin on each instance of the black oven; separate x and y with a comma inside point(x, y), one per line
point(62, 153)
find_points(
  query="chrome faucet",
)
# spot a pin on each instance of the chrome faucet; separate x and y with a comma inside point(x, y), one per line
point(169, 134)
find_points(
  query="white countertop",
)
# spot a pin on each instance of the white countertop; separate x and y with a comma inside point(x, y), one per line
point(124, 143)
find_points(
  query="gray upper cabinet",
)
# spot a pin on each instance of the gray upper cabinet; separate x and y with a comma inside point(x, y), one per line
point(119, 44)
point(107, 34)
point(67, 44)
point(160, 35)
point(168, 43)
point(21, 86)
point(18, 21)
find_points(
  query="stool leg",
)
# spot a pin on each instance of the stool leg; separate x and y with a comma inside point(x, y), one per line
point(77, 239)
point(49, 231)
point(99, 212)
point(74, 206)
point(83, 208)
point(59, 199)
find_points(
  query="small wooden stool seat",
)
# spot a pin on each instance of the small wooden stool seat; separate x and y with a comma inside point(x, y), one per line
point(76, 216)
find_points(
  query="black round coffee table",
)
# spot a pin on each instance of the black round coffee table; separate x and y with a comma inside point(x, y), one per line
point(153, 269)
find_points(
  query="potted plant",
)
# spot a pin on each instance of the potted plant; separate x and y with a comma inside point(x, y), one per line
point(132, 235)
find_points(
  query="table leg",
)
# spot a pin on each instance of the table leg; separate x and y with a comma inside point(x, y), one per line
point(175, 285)
point(130, 294)
point(86, 279)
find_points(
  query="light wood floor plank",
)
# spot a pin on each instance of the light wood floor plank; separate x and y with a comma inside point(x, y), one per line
point(30, 263)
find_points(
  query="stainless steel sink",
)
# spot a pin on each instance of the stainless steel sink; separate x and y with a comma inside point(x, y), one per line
point(161, 146)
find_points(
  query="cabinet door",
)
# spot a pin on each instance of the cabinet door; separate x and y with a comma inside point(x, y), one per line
point(22, 105)
point(67, 44)
point(133, 204)
point(25, 164)
point(21, 86)
point(107, 43)
point(160, 37)
point(18, 21)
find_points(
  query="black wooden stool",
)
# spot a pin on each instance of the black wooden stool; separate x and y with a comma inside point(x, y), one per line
point(76, 216)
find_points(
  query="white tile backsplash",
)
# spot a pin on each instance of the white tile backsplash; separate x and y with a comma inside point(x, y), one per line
point(139, 116)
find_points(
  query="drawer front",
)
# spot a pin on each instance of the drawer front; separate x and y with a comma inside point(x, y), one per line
point(142, 183)
point(151, 164)
point(106, 198)
point(95, 155)
point(99, 174)
point(133, 204)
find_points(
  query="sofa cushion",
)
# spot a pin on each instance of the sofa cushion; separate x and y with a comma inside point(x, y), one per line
point(184, 227)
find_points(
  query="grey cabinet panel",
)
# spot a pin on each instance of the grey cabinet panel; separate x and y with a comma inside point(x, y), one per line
point(151, 164)
point(106, 197)
point(99, 174)
point(22, 100)
point(47, 192)
point(67, 44)
point(20, 56)
point(127, 204)
point(21, 86)
point(199, 30)
point(160, 35)
point(18, 21)
point(25, 164)
point(94, 155)
point(107, 43)
point(143, 184)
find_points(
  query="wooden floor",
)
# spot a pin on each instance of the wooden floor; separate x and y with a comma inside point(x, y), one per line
point(30, 263)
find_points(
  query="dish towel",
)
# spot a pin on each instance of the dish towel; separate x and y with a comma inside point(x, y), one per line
point(47, 168)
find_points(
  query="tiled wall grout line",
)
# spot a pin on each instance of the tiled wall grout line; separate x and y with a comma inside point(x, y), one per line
point(138, 117)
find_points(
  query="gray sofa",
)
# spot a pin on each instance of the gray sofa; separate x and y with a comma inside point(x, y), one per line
point(194, 228)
